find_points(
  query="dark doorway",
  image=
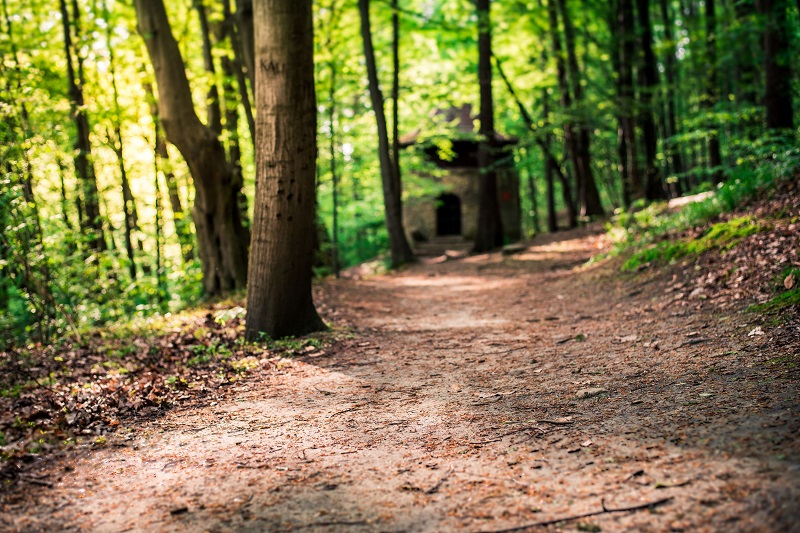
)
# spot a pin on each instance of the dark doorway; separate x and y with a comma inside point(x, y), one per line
point(448, 215)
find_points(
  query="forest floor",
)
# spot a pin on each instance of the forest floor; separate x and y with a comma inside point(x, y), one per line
point(473, 394)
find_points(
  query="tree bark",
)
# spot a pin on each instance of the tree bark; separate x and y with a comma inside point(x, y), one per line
point(588, 195)
point(222, 239)
point(712, 92)
point(654, 188)
point(392, 190)
point(777, 65)
point(91, 221)
point(279, 301)
point(489, 234)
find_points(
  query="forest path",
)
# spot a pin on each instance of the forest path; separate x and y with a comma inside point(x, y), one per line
point(477, 395)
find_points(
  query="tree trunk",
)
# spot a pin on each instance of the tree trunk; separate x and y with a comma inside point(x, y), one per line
point(648, 80)
point(489, 234)
point(570, 139)
point(392, 191)
point(552, 219)
point(625, 37)
point(222, 239)
point(244, 19)
point(777, 66)
point(279, 301)
point(588, 196)
point(91, 222)
point(712, 92)
point(673, 155)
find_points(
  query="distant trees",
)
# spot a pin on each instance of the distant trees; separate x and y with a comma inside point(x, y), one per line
point(279, 301)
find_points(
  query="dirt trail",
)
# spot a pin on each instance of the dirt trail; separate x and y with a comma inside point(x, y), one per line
point(478, 394)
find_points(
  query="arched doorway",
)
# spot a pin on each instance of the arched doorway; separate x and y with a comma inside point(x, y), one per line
point(448, 215)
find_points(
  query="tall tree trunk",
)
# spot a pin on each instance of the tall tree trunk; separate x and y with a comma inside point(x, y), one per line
point(489, 234)
point(654, 188)
point(222, 239)
point(392, 191)
point(279, 301)
point(128, 202)
point(672, 153)
point(396, 94)
point(92, 223)
point(712, 92)
point(244, 19)
point(588, 196)
point(570, 139)
point(777, 64)
point(626, 35)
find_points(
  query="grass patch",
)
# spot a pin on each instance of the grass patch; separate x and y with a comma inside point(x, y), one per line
point(720, 236)
point(778, 303)
point(759, 166)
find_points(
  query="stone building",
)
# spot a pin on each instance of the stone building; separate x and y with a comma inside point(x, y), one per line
point(455, 211)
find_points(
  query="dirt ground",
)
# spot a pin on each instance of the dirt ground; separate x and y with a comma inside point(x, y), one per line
point(478, 394)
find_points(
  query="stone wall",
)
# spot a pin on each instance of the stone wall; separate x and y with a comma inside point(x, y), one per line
point(420, 213)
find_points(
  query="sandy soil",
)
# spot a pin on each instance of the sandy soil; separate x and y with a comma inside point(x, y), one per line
point(474, 395)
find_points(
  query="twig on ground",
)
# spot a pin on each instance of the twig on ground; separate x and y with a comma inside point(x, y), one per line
point(435, 488)
point(648, 505)
point(36, 481)
point(503, 352)
point(556, 422)
point(331, 524)
point(348, 410)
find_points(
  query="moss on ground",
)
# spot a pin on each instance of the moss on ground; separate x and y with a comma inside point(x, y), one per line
point(720, 236)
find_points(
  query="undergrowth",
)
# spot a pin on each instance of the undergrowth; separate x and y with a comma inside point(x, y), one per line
point(722, 236)
point(652, 232)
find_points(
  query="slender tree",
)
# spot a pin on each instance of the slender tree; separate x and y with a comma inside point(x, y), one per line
point(588, 196)
point(279, 301)
point(625, 40)
point(244, 19)
point(489, 234)
point(671, 125)
point(392, 189)
point(777, 64)
point(91, 221)
point(712, 91)
point(180, 218)
point(222, 238)
point(648, 82)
